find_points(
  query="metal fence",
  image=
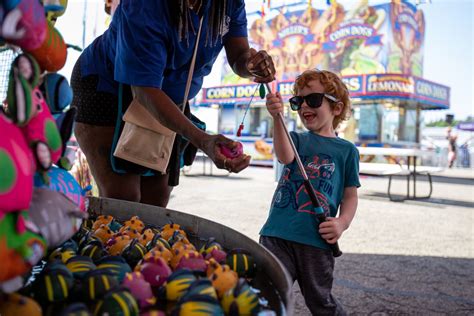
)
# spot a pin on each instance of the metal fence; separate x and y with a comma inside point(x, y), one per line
point(7, 56)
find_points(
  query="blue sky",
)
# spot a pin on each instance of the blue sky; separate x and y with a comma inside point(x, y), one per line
point(448, 51)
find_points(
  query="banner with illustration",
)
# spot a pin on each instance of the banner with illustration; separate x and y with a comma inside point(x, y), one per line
point(365, 87)
point(363, 39)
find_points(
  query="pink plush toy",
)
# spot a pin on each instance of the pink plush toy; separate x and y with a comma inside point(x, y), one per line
point(25, 26)
point(29, 110)
point(20, 246)
point(16, 163)
point(42, 134)
point(232, 152)
point(156, 272)
point(217, 254)
point(192, 261)
point(139, 288)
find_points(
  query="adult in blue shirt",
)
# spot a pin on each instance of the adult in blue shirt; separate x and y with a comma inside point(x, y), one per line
point(148, 49)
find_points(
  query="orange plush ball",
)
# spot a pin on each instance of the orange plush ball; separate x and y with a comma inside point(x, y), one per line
point(51, 55)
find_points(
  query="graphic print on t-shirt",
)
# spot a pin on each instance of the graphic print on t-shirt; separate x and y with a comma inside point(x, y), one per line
point(291, 190)
point(285, 194)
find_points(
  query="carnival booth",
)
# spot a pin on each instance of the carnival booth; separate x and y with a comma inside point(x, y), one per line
point(63, 254)
point(378, 50)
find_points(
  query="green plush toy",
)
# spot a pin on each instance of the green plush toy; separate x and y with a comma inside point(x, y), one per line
point(241, 262)
point(241, 300)
point(97, 283)
point(18, 251)
point(54, 283)
point(118, 303)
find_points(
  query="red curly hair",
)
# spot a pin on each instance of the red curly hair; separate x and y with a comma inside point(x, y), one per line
point(333, 85)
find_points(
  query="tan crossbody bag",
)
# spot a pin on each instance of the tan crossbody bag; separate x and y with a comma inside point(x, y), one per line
point(144, 140)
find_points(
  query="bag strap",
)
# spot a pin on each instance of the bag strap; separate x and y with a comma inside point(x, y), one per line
point(192, 65)
point(118, 123)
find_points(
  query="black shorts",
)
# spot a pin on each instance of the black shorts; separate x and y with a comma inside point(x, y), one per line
point(101, 109)
point(95, 107)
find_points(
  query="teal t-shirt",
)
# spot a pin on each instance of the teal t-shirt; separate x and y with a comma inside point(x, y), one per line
point(332, 164)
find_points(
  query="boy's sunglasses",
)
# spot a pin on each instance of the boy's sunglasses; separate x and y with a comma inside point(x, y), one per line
point(313, 100)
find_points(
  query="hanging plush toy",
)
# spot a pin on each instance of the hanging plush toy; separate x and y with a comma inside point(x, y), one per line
point(55, 215)
point(63, 182)
point(51, 54)
point(16, 163)
point(20, 245)
point(24, 76)
point(58, 95)
point(28, 108)
point(32, 142)
point(54, 9)
point(43, 134)
point(57, 92)
point(18, 251)
point(24, 23)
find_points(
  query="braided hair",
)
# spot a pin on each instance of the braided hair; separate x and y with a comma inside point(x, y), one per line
point(181, 15)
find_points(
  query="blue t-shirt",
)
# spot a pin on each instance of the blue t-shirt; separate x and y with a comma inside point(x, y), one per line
point(142, 48)
point(332, 164)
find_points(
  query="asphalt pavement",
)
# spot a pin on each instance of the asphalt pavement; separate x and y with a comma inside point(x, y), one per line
point(400, 258)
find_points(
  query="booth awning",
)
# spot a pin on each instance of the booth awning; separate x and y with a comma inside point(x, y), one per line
point(429, 95)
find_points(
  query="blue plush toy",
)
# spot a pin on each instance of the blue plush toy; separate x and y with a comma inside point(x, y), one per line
point(57, 91)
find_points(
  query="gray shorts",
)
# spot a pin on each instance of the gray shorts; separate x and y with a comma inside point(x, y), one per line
point(313, 269)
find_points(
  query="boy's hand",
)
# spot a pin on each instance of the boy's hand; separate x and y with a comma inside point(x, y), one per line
point(274, 104)
point(332, 230)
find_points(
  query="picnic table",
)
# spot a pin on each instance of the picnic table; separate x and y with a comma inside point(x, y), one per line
point(207, 164)
point(410, 170)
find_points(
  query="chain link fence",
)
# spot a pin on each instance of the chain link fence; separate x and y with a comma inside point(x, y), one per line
point(7, 55)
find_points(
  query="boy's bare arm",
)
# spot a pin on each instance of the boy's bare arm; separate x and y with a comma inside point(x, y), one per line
point(281, 144)
point(332, 230)
point(348, 206)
